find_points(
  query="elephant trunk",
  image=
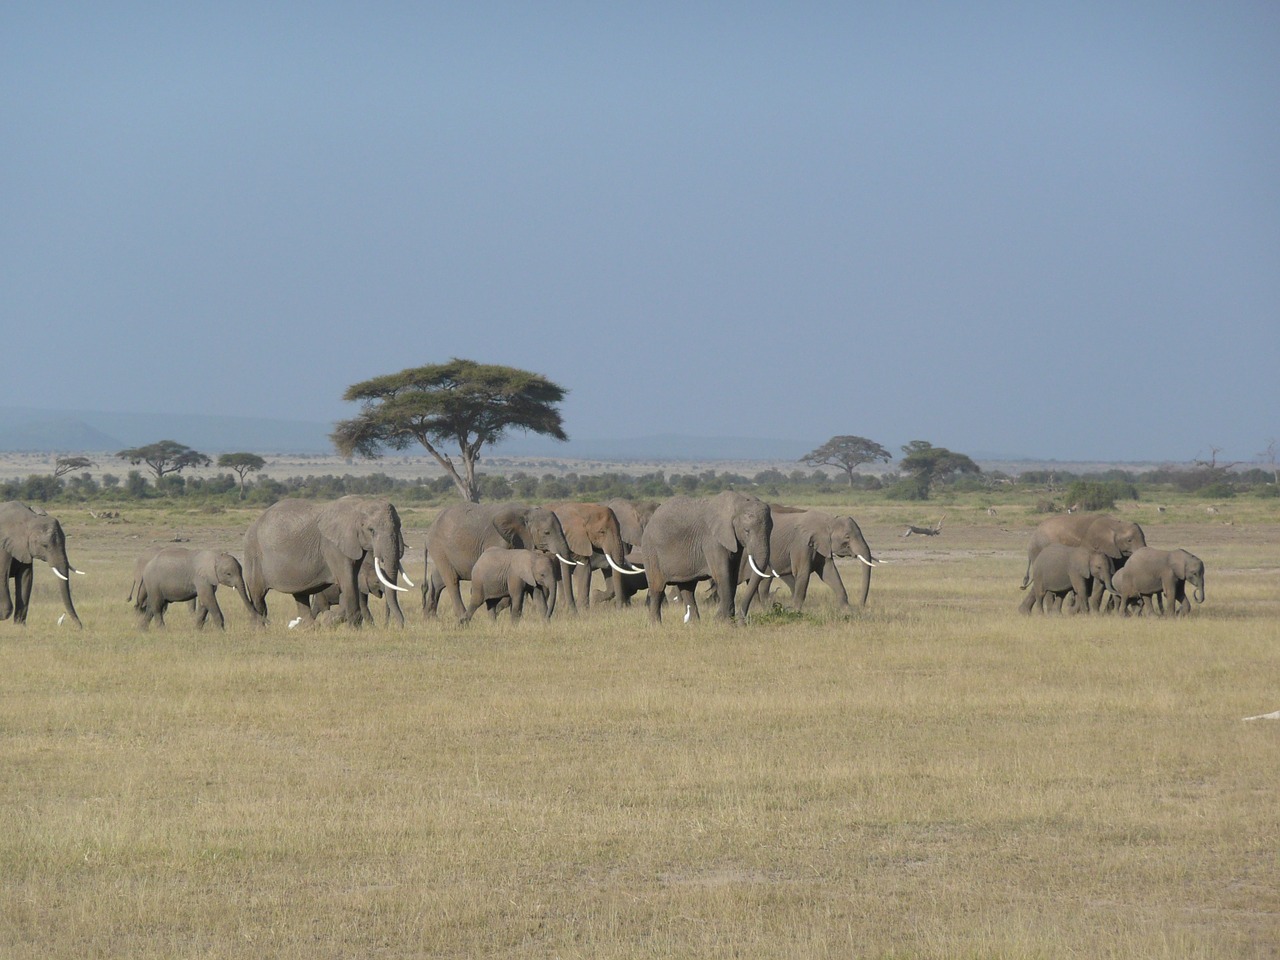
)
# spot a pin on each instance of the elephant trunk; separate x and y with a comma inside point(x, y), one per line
point(243, 593)
point(551, 597)
point(865, 573)
point(1199, 594)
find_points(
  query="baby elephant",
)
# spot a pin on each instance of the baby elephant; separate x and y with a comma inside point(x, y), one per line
point(1160, 577)
point(1059, 570)
point(176, 575)
point(503, 573)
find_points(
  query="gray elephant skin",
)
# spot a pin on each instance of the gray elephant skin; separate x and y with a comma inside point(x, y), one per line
point(370, 586)
point(178, 574)
point(1059, 570)
point(301, 547)
point(463, 531)
point(691, 539)
point(28, 535)
point(805, 542)
point(1115, 537)
point(594, 535)
point(633, 516)
point(1161, 576)
point(509, 573)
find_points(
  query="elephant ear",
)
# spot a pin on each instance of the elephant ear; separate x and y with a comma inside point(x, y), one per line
point(206, 566)
point(511, 527)
point(722, 530)
point(575, 534)
point(341, 527)
point(17, 544)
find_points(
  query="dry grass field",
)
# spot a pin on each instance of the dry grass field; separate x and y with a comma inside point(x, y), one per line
point(936, 777)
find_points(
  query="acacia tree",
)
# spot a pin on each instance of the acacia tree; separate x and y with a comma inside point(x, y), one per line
point(242, 464)
point(164, 457)
point(460, 403)
point(928, 465)
point(64, 465)
point(847, 452)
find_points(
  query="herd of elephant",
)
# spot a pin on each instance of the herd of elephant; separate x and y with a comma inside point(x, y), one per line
point(332, 557)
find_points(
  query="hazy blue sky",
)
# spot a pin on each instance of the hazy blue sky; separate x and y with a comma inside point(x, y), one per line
point(1034, 229)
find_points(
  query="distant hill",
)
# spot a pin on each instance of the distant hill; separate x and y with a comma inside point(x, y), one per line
point(38, 431)
point(25, 430)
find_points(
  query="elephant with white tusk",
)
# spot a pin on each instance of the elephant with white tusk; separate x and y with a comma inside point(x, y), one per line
point(805, 542)
point(463, 531)
point(301, 547)
point(712, 538)
point(27, 535)
point(595, 537)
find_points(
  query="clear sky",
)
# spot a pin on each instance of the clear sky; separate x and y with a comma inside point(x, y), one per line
point(1029, 229)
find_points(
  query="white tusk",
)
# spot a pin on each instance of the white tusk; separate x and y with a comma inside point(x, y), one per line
point(64, 616)
point(758, 572)
point(615, 566)
point(406, 577)
point(865, 560)
point(377, 568)
point(59, 574)
point(1266, 716)
point(74, 570)
point(774, 571)
point(572, 563)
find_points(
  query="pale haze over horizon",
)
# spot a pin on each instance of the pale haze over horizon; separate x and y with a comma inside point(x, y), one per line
point(1035, 230)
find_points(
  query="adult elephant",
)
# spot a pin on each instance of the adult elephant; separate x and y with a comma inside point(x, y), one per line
point(370, 586)
point(28, 535)
point(301, 547)
point(1115, 537)
point(463, 531)
point(594, 535)
point(690, 539)
point(1153, 574)
point(805, 542)
point(177, 575)
point(633, 516)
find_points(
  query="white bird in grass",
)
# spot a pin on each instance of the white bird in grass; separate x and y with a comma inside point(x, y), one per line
point(688, 612)
point(294, 622)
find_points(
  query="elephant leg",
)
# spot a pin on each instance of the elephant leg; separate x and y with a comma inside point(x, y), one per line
point(801, 573)
point(160, 606)
point(580, 577)
point(477, 601)
point(22, 592)
point(6, 602)
point(831, 577)
point(657, 592)
point(453, 586)
point(1028, 602)
point(302, 602)
point(516, 590)
point(753, 585)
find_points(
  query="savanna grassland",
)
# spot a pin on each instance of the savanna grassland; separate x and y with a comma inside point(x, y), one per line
point(936, 777)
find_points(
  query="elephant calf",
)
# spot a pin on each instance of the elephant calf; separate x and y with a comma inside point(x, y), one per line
point(176, 575)
point(508, 573)
point(1160, 577)
point(1058, 570)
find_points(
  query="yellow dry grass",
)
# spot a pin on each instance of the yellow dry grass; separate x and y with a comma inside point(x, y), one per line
point(936, 777)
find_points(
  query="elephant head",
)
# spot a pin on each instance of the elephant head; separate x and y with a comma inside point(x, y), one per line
point(1102, 569)
point(225, 570)
point(845, 539)
point(543, 575)
point(741, 524)
point(27, 535)
point(533, 528)
point(1190, 568)
point(1118, 539)
point(593, 528)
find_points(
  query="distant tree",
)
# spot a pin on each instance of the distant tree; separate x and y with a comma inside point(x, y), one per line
point(460, 402)
point(1270, 455)
point(64, 465)
point(847, 452)
point(164, 457)
point(928, 465)
point(242, 464)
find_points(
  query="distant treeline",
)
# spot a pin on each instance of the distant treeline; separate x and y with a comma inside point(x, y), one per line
point(1057, 489)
